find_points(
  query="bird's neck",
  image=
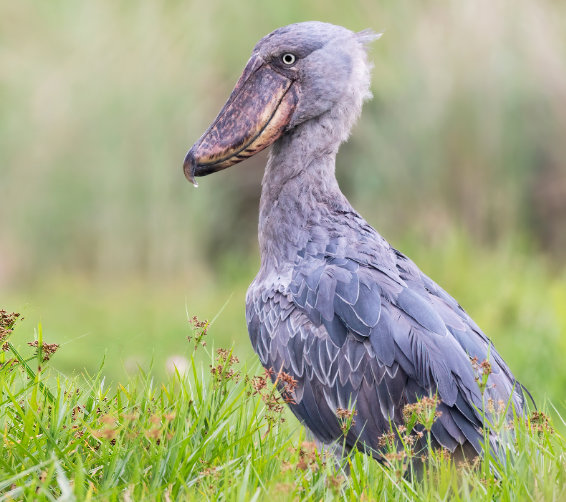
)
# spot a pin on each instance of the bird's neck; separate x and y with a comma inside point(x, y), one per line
point(299, 189)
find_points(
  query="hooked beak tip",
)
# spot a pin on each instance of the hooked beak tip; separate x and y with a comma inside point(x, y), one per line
point(190, 167)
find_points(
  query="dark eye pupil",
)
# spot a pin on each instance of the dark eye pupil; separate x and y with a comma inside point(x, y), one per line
point(288, 58)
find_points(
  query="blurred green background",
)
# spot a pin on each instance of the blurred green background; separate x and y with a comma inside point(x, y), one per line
point(459, 161)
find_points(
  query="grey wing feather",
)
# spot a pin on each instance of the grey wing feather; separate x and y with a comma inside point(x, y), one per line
point(351, 331)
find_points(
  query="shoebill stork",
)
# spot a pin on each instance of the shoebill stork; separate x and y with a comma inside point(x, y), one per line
point(350, 318)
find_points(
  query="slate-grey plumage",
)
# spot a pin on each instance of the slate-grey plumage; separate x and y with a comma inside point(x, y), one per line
point(352, 319)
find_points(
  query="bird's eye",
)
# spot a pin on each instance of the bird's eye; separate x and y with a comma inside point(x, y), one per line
point(288, 58)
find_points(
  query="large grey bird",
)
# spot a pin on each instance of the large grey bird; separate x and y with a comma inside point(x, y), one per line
point(350, 318)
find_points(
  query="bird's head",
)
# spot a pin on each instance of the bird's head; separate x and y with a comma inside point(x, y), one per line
point(295, 74)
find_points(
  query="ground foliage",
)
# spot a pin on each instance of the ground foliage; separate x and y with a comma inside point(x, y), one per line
point(221, 431)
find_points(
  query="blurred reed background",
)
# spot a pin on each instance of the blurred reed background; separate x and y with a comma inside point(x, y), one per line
point(459, 161)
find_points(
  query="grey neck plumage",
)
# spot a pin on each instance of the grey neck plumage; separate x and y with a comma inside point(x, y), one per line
point(300, 193)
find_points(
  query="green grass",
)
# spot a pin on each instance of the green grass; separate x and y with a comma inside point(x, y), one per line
point(145, 433)
point(218, 431)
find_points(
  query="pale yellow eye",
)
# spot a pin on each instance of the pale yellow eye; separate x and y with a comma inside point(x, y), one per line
point(288, 58)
